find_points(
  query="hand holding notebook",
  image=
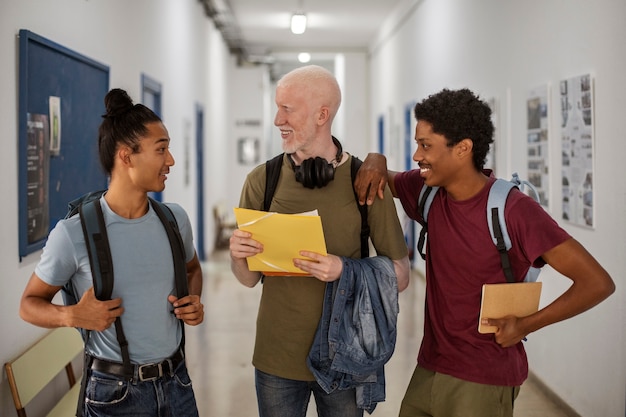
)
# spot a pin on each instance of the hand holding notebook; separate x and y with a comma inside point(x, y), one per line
point(518, 299)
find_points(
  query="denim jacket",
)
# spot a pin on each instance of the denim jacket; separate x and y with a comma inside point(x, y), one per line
point(356, 335)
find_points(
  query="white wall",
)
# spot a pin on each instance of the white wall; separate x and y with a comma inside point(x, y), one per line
point(502, 50)
point(350, 125)
point(246, 105)
point(170, 41)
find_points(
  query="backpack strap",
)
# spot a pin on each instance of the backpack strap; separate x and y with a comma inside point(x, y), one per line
point(533, 273)
point(425, 199)
point(272, 174)
point(97, 241)
point(497, 226)
point(355, 164)
point(176, 244)
point(101, 264)
point(498, 195)
point(177, 247)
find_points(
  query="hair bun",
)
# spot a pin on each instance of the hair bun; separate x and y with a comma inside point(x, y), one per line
point(117, 102)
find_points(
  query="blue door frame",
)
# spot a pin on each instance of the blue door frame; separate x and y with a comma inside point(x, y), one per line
point(201, 250)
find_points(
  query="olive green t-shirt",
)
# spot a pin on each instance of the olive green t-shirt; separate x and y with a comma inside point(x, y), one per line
point(291, 307)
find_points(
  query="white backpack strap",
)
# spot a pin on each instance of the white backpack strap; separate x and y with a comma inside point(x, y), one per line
point(425, 199)
point(532, 274)
point(427, 194)
point(497, 226)
point(497, 199)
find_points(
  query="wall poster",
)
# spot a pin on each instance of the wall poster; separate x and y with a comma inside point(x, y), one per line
point(577, 149)
point(55, 125)
point(537, 110)
point(37, 176)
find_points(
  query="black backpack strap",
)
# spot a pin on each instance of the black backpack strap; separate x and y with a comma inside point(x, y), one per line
point(176, 244)
point(501, 246)
point(97, 242)
point(87, 361)
point(423, 205)
point(178, 253)
point(101, 263)
point(272, 174)
point(365, 227)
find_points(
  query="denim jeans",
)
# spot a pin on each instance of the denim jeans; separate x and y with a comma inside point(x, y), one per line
point(280, 397)
point(168, 396)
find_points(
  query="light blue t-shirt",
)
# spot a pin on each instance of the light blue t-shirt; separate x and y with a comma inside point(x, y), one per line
point(143, 273)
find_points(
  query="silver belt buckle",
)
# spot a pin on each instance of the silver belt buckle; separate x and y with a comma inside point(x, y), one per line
point(159, 367)
point(151, 378)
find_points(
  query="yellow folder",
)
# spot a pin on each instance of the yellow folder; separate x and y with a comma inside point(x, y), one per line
point(519, 299)
point(283, 237)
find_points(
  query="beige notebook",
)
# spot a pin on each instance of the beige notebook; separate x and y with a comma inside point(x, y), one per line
point(519, 299)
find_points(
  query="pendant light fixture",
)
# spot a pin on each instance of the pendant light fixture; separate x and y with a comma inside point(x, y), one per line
point(298, 20)
point(298, 23)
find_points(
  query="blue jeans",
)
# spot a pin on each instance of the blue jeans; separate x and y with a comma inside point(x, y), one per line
point(280, 397)
point(168, 396)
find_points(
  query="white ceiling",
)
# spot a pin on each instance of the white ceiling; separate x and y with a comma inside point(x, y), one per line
point(331, 24)
point(261, 27)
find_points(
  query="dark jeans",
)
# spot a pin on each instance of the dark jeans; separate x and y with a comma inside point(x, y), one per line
point(280, 397)
point(168, 396)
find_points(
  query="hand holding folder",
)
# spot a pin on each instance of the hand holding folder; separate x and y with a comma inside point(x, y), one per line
point(283, 237)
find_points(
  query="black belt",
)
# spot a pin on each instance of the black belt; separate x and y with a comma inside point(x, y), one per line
point(146, 372)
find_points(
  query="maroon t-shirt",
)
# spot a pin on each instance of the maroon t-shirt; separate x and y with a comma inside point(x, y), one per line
point(460, 258)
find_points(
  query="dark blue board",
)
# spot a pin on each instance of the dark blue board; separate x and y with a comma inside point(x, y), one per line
point(49, 69)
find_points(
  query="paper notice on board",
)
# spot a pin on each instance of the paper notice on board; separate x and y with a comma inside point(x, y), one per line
point(54, 104)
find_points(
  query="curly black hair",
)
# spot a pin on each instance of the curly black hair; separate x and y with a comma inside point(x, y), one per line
point(458, 115)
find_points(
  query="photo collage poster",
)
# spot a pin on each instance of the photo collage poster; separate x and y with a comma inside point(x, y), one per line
point(577, 149)
point(537, 110)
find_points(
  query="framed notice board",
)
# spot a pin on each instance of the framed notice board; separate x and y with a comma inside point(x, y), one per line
point(61, 100)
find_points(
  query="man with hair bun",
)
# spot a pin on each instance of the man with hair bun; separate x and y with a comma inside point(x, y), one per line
point(134, 152)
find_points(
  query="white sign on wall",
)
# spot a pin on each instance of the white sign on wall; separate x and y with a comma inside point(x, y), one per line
point(577, 149)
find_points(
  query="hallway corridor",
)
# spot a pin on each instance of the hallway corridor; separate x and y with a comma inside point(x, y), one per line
point(220, 350)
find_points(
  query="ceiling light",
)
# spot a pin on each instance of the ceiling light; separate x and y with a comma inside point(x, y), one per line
point(304, 57)
point(298, 23)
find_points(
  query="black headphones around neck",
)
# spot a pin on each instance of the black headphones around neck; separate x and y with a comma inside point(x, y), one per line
point(316, 172)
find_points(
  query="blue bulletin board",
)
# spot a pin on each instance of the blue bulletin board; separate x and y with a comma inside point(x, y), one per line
point(58, 161)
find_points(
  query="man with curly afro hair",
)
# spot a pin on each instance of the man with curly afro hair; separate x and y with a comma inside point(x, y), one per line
point(461, 372)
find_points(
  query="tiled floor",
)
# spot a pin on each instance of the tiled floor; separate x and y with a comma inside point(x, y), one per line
point(220, 350)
